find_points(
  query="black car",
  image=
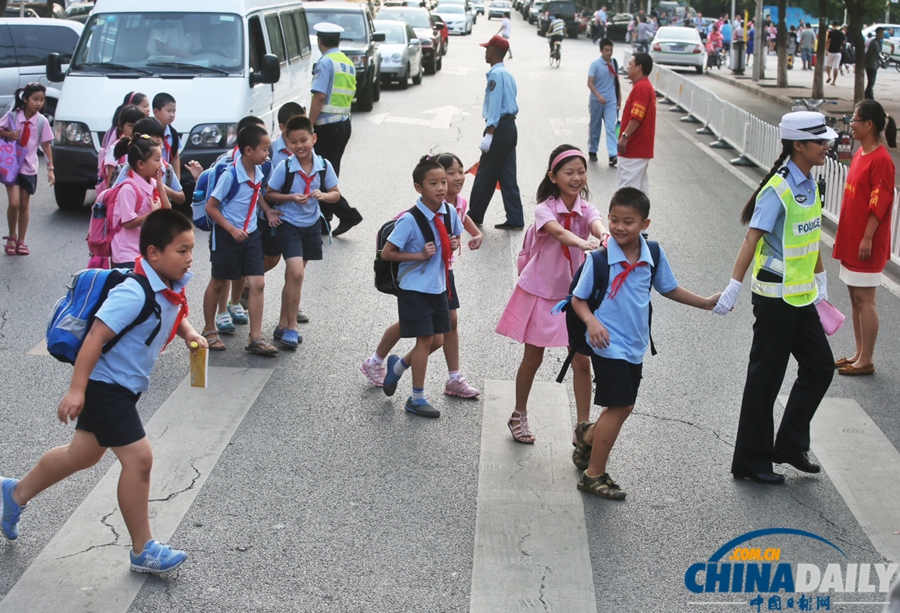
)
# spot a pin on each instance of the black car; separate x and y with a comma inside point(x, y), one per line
point(359, 42)
point(617, 28)
point(565, 9)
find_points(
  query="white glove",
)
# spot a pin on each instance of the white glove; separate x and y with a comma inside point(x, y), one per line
point(485, 145)
point(728, 298)
point(822, 284)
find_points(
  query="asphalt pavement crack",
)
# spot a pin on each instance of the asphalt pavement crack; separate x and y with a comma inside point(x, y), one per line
point(189, 487)
point(522, 543)
point(806, 505)
point(92, 547)
point(543, 587)
point(685, 422)
point(3, 322)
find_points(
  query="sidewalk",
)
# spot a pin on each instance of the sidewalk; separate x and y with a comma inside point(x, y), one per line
point(887, 92)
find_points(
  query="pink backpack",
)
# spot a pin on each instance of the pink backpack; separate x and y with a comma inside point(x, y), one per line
point(104, 179)
point(102, 230)
point(528, 245)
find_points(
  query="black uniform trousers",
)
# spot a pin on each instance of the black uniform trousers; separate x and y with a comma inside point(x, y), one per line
point(780, 331)
point(498, 164)
point(331, 140)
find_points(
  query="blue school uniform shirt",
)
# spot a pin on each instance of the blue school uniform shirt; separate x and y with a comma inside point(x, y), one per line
point(302, 215)
point(604, 80)
point(768, 215)
point(626, 316)
point(235, 211)
point(499, 95)
point(280, 151)
point(429, 278)
point(130, 361)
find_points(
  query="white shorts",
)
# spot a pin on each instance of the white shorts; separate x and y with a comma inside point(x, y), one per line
point(632, 172)
point(832, 61)
point(860, 279)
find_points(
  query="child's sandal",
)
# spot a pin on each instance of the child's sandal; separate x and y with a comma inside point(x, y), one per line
point(518, 427)
point(214, 344)
point(602, 486)
point(12, 244)
point(22, 249)
point(258, 346)
point(581, 455)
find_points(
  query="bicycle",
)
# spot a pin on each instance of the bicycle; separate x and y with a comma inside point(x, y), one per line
point(555, 55)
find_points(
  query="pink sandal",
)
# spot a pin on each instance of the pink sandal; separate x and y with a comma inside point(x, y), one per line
point(518, 427)
point(12, 244)
point(22, 249)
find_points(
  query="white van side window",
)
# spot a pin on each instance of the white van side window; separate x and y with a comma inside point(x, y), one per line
point(276, 38)
point(290, 36)
point(7, 52)
point(257, 43)
point(302, 32)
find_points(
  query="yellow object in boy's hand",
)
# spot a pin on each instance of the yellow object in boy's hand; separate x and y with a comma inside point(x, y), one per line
point(194, 345)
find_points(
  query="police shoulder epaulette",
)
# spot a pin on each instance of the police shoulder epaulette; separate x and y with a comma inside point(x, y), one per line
point(783, 171)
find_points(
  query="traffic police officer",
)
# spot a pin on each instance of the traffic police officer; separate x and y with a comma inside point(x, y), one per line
point(498, 157)
point(788, 280)
point(333, 88)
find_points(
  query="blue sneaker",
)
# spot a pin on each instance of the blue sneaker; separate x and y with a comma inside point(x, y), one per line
point(9, 510)
point(238, 314)
point(421, 408)
point(391, 379)
point(290, 339)
point(157, 558)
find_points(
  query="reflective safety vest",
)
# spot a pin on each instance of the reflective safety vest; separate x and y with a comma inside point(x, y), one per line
point(343, 86)
point(800, 246)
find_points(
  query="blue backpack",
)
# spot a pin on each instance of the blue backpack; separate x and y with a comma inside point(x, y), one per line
point(206, 184)
point(75, 312)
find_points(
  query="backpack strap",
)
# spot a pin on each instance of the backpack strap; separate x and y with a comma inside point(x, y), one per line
point(289, 175)
point(151, 307)
point(654, 253)
point(176, 140)
point(427, 233)
point(600, 264)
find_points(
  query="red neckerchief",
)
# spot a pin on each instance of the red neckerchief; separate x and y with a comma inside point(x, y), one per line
point(611, 69)
point(26, 134)
point(168, 147)
point(177, 298)
point(285, 151)
point(446, 251)
point(307, 180)
point(567, 224)
point(619, 281)
point(256, 187)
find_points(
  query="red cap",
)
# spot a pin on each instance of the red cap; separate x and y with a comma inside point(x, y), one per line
point(497, 41)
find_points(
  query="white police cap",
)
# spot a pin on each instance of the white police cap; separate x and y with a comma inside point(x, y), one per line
point(328, 28)
point(805, 125)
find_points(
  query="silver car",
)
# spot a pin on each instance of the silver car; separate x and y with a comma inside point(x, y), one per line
point(401, 53)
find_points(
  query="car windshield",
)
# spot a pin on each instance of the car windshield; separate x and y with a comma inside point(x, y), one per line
point(393, 32)
point(450, 8)
point(416, 18)
point(354, 23)
point(208, 44)
point(685, 34)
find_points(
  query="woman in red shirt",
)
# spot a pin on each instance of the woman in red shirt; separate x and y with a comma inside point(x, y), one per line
point(863, 241)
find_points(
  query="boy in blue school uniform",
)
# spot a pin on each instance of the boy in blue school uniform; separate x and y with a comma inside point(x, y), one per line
point(236, 241)
point(619, 330)
point(164, 109)
point(280, 149)
point(424, 267)
point(105, 389)
point(294, 221)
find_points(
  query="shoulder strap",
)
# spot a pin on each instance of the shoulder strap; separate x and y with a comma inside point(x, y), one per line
point(323, 172)
point(151, 307)
point(654, 253)
point(422, 222)
point(288, 177)
point(176, 139)
point(600, 261)
point(235, 184)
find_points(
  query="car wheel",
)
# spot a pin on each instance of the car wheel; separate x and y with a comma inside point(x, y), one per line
point(417, 80)
point(403, 80)
point(365, 98)
point(439, 64)
point(376, 95)
point(699, 69)
point(445, 47)
point(430, 67)
point(69, 196)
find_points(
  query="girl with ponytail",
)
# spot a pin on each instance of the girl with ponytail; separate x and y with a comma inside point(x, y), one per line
point(785, 216)
point(863, 241)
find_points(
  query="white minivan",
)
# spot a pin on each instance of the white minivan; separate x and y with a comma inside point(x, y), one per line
point(220, 60)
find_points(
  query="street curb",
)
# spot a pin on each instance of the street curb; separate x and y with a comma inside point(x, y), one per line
point(782, 100)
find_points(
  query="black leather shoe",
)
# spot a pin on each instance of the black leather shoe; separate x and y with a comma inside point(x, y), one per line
point(345, 226)
point(799, 460)
point(508, 226)
point(765, 478)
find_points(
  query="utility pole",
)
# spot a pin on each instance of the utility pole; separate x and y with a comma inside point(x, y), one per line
point(759, 43)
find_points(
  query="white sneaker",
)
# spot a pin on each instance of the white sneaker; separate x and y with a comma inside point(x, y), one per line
point(224, 323)
point(374, 372)
point(460, 387)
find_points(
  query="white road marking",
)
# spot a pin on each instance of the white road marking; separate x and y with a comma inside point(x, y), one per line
point(562, 126)
point(40, 349)
point(531, 548)
point(443, 116)
point(864, 467)
point(85, 566)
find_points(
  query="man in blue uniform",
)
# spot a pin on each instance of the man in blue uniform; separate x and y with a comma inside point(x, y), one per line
point(603, 81)
point(498, 147)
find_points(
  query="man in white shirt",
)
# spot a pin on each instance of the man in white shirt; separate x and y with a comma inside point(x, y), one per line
point(505, 30)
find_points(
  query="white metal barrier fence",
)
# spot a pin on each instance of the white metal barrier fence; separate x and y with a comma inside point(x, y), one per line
point(757, 142)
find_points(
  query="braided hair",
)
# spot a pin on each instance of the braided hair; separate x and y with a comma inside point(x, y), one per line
point(786, 147)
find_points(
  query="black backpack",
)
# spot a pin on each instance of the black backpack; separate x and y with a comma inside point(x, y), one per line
point(387, 274)
point(576, 328)
point(289, 175)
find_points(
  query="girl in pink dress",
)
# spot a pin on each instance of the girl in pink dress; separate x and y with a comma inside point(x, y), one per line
point(565, 226)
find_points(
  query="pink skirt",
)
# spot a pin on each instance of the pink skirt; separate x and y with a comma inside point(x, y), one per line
point(527, 319)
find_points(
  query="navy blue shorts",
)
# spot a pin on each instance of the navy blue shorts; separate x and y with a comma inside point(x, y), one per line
point(422, 314)
point(617, 382)
point(297, 242)
point(232, 260)
point(452, 297)
point(27, 182)
point(110, 414)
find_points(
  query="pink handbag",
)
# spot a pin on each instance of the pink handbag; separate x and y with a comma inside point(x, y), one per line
point(831, 318)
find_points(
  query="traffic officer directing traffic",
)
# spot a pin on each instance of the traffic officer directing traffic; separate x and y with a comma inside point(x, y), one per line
point(333, 88)
point(498, 157)
point(788, 282)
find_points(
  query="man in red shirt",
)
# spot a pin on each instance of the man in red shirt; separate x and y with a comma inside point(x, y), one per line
point(635, 144)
